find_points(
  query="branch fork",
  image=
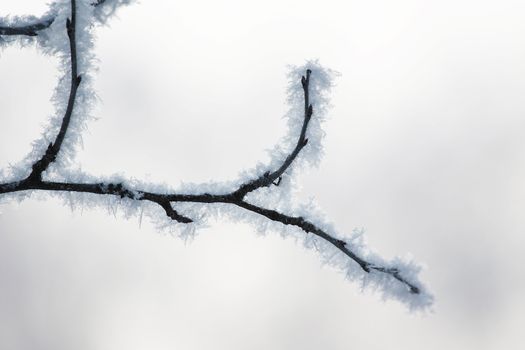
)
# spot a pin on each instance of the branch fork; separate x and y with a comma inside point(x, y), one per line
point(35, 180)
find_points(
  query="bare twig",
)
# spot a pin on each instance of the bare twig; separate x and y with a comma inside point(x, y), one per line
point(237, 197)
point(52, 150)
point(29, 30)
point(33, 28)
point(164, 201)
point(269, 178)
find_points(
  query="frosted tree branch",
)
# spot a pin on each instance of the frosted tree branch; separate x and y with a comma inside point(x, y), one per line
point(378, 271)
point(269, 178)
point(28, 29)
point(33, 28)
point(52, 150)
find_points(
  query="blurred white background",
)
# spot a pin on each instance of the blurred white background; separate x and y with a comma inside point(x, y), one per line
point(424, 149)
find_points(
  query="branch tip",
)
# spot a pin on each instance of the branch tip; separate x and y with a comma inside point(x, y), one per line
point(173, 214)
point(32, 29)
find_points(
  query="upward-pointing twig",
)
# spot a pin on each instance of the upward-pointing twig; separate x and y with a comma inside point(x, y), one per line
point(52, 150)
point(269, 178)
point(237, 197)
point(38, 25)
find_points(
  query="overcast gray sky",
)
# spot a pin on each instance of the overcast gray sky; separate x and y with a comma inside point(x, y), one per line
point(424, 149)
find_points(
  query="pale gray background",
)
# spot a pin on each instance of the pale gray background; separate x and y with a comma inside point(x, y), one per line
point(424, 149)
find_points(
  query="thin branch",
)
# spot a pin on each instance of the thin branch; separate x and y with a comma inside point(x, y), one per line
point(164, 201)
point(29, 30)
point(338, 243)
point(34, 28)
point(52, 150)
point(35, 182)
point(275, 177)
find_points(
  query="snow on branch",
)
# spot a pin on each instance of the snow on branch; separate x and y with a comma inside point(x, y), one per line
point(32, 26)
point(66, 31)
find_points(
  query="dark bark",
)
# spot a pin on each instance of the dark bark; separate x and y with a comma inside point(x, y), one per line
point(29, 30)
point(269, 178)
point(52, 150)
point(34, 28)
point(35, 180)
